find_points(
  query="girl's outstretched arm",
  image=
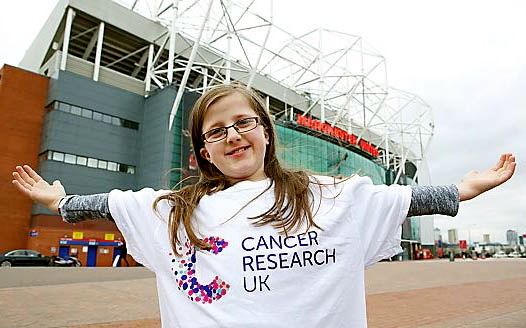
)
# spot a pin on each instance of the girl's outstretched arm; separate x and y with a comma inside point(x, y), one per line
point(426, 200)
point(27, 181)
point(72, 208)
point(475, 183)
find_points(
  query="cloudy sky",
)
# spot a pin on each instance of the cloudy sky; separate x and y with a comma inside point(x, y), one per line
point(466, 59)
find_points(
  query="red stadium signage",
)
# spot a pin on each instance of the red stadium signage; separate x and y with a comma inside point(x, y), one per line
point(336, 132)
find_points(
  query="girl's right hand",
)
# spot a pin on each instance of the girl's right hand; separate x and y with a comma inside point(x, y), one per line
point(27, 181)
point(475, 183)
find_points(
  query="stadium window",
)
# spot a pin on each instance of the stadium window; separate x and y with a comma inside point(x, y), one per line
point(112, 166)
point(81, 160)
point(70, 159)
point(106, 118)
point(76, 110)
point(59, 157)
point(130, 124)
point(116, 121)
point(64, 107)
point(102, 165)
point(130, 170)
point(87, 113)
point(92, 162)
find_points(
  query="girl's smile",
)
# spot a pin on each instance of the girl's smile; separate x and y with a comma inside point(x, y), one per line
point(238, 151)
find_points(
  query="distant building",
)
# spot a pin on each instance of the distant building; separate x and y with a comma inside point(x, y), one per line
point(511, 237)
point(452, 235)
point(485, 238)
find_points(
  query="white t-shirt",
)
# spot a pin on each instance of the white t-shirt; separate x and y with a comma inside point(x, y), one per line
point(256, 277)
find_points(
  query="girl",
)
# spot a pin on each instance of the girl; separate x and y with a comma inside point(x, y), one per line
point(252, 244)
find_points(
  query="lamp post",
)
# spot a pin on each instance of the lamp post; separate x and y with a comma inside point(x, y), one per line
point(470, 226)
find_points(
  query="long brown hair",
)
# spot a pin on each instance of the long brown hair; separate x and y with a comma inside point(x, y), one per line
point(292, 208)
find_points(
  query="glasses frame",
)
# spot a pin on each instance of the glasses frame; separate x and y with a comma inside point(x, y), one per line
point(226, 128)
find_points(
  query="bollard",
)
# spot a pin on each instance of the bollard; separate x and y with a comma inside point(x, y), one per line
point(451, 257)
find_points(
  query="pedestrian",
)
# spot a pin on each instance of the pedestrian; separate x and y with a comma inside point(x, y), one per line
point(122, 252)
point(252, 244)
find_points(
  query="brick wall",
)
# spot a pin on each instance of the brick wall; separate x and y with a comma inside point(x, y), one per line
point(22, 108)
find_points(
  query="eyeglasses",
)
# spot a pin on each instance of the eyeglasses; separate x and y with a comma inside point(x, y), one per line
point(241, 126)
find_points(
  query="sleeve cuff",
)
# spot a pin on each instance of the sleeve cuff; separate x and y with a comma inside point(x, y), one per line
point(428, 200)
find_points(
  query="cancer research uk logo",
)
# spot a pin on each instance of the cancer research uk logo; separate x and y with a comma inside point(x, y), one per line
point(262, 255)
point(185, 274)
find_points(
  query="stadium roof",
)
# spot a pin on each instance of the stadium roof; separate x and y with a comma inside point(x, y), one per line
point(142, 46)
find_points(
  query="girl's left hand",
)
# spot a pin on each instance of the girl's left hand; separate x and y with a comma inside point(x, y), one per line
point(475, 183)
point(28, 182)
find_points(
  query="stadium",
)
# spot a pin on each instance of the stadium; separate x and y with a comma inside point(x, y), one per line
point(101, 101)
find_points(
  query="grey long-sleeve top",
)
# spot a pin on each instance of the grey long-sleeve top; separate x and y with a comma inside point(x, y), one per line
point(425, 200)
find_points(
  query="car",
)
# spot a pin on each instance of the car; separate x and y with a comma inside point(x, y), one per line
point(70, 261)
point(424, 254)
point(23, 257)
point(500, 254)
point(514, 254)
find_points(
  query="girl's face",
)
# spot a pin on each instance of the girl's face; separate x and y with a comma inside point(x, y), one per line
point(239, 155)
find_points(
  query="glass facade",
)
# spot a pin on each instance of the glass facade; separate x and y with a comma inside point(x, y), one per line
point(298, 150)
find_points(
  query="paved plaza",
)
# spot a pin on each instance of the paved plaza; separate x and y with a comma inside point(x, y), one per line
point(428, 294)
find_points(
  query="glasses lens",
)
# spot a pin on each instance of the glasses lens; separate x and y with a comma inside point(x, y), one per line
point(215, 135)
point(246, 124)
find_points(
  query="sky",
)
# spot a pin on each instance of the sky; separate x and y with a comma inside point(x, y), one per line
point(466, 59)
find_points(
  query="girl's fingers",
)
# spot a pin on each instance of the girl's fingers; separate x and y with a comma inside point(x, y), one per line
point(501, 162)
point(32, 173)
point(509, 164)
point(505, 161)
point(20, 187)
point(25, 177)
point(508, 168)
point(20, 182)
